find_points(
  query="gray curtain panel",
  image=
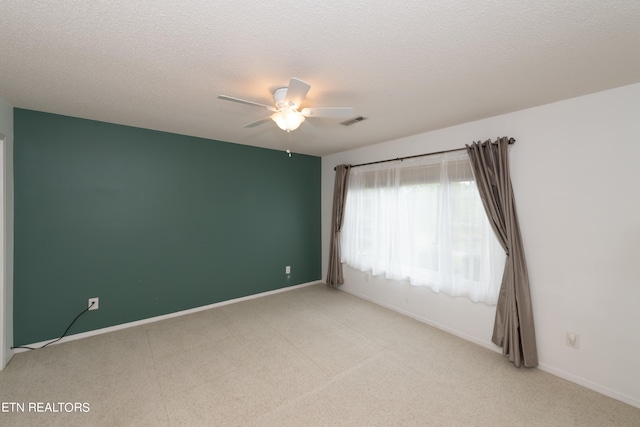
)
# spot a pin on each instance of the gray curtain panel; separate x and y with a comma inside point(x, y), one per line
point(513, 329)
point(334, 273)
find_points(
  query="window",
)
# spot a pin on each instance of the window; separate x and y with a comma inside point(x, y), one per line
point(422, 220)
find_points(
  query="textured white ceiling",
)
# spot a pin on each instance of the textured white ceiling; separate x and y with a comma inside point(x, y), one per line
point(409, 67)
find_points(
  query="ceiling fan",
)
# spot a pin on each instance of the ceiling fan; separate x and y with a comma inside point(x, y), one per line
point(287, 101)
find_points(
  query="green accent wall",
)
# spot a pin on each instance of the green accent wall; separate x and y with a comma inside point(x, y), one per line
point(151, 223)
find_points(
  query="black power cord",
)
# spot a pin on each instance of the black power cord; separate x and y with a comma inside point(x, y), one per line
point(63, 335)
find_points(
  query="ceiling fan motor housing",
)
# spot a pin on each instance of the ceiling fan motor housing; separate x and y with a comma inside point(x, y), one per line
point(279, 96)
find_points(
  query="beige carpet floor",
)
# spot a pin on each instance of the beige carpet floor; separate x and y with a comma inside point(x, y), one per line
point(308, 356)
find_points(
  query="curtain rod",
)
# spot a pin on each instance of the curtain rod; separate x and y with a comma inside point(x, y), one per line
point(511, 141)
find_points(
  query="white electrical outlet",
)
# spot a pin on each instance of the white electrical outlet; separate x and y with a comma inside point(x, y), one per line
point(96, 303)
point(573, 340)
point(287, 269)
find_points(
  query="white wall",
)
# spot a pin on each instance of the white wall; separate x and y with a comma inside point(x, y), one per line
point(6, 234)
point(576, 175)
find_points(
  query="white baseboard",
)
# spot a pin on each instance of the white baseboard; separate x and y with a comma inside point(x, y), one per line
point(486, 344)
point(590, 385)
point(163, 317)
point(543, 367)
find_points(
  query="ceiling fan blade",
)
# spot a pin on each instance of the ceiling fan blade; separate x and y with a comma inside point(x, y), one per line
point(296, 91)
point(244, 101)
point(337, 112)
point(258, 122)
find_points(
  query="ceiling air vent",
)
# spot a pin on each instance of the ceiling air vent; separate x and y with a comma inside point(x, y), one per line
point(353, 121)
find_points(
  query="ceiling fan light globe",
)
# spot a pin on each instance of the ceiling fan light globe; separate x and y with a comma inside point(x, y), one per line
point(288, 120)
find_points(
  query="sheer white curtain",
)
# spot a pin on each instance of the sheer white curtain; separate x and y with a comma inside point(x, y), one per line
point(422, 220)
